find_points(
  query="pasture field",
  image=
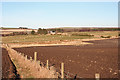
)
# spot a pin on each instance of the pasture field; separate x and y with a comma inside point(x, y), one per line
point(52, 38)
point(38, 38)
point(104, 33)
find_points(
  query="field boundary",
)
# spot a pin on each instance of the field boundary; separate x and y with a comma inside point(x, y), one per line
point(50, 71)
point(34, 69)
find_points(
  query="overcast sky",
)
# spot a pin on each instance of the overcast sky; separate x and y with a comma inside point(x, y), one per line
point(59, 14)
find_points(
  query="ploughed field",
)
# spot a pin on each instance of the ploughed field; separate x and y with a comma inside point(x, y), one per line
point(8, 68)
point(100, 57)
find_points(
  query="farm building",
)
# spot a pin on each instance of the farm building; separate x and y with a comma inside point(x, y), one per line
point(52, 32)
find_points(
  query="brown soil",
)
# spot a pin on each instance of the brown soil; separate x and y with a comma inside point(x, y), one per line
point(8, 68)
point(85, 60)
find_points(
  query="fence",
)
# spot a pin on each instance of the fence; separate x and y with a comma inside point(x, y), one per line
point(62, 73)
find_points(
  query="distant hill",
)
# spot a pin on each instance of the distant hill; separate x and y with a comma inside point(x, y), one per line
point(12, 31)
point(81, 29)
point(14, 28)
point(8, 28)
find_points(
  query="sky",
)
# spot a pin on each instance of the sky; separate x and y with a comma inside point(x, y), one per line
point(59, 14)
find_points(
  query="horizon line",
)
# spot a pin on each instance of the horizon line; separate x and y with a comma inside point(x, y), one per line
point(64, 27)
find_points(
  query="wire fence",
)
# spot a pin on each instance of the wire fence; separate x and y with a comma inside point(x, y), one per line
point(67, 74)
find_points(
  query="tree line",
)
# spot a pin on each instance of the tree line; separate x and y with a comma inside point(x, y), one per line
point(90, 29)
point(45, 31)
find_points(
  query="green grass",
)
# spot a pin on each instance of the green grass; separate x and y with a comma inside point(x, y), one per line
point(38, 38)
point(106, 33)
point(43, 38)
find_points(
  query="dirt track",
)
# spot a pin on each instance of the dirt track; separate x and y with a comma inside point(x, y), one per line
point(8, 68)
point(100, 57)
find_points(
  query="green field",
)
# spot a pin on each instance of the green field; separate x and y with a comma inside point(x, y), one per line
point(105, 33)
point(45, 38)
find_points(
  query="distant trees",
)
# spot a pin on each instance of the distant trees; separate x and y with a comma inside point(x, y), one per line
point(105, 29)
point(42, 31)
point(56, 30)
point(39, 31)
point(23, 28)
point(45, 31)
point(32, 32)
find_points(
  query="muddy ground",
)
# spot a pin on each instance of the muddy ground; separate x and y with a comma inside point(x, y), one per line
point(8, 68)
point(85, 60)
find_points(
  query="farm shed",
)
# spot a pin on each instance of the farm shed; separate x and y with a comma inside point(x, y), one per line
point(52, 32)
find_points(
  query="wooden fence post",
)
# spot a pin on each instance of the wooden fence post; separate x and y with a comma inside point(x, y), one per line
point(47, 64)
point(35, 56)
point(97, 76)
point(31, 58)
point(62, 70)
point(26, 57)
